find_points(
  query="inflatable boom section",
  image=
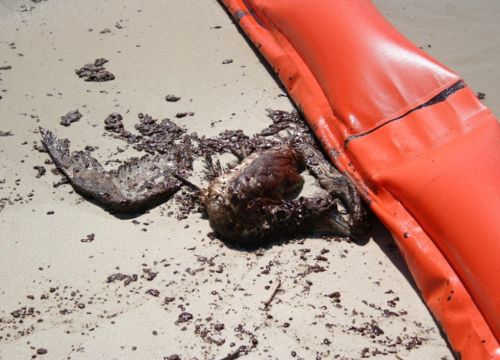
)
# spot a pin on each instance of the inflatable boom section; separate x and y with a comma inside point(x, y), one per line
point(423, 151)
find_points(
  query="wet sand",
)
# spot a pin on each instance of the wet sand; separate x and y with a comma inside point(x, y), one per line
point(173, 288)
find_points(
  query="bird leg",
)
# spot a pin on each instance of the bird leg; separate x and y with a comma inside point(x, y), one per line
point(338, 186)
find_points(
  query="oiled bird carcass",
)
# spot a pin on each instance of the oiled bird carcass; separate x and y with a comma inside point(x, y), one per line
point(251, 203)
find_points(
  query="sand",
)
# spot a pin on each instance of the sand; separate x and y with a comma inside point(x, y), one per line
point(58, 283)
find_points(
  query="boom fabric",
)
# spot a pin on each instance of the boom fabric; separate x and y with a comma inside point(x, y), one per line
point(423, 151)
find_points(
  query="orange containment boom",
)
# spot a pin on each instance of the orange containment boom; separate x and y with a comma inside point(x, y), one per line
point(408, 131)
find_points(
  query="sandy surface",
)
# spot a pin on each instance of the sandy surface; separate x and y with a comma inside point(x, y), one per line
point(163, 47)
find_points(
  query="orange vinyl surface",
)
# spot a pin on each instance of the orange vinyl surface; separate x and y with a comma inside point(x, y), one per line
point(423, 151)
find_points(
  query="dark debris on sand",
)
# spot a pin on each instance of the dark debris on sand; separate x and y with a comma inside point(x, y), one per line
point(117, 277)
point(172, 98)
point(40, 170)
point(114, 123)
point(481, 95)
point(95, 71)
point(71, 117)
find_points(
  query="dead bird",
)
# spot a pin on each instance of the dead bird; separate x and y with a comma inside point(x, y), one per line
point(249, 204)
point(254, 202)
